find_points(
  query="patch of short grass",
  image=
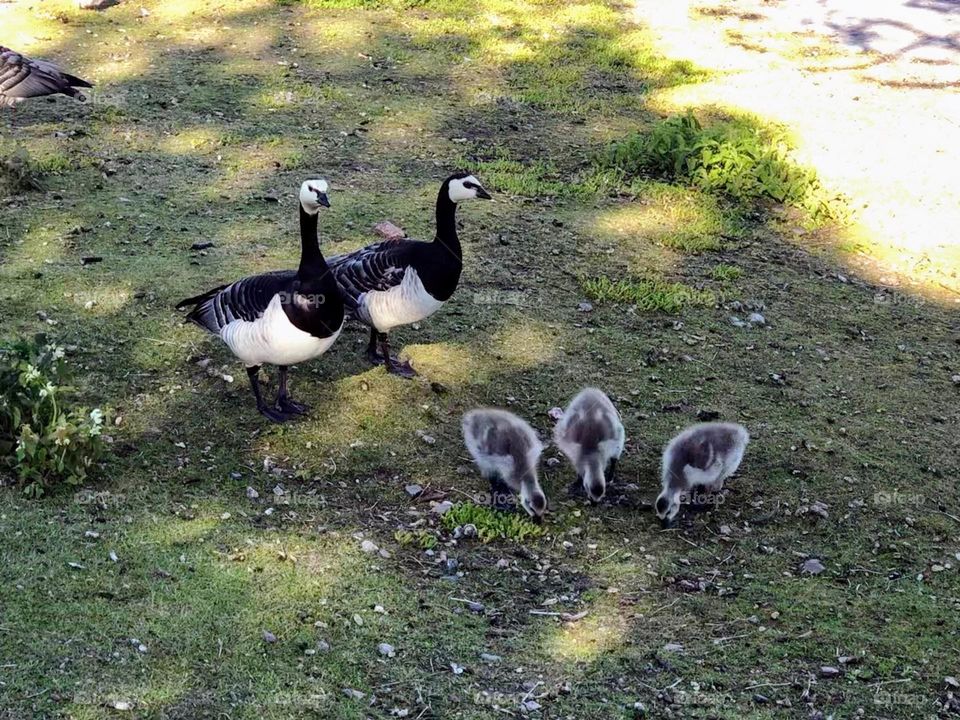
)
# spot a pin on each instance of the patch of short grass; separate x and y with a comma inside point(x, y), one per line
point(491, 524)
point(648, 295)
point(534, 178)
point(726, 273)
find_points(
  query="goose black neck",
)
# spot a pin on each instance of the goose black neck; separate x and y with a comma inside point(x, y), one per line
point(447, 222)
point(311, 259)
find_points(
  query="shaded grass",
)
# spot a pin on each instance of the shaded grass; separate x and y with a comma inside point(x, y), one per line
point(648, 295)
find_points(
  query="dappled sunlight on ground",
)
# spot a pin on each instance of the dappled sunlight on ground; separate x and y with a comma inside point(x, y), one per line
point(891, 149)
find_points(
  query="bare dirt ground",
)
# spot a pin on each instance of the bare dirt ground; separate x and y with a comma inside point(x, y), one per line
point(872, 93)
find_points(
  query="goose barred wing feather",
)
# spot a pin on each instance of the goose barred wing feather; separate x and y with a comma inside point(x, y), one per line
point(21, 78)
point(245, 299)
point(380, 266)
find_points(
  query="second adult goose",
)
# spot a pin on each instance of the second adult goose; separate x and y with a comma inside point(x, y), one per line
point(398, 282)
point(281, 318)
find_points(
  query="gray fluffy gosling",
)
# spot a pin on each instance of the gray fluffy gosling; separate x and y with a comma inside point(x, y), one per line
point(507, 451)
point(591, 435)
point(699, 458)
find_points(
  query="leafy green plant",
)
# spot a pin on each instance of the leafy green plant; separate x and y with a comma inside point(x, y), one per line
point(42, 441)
point(491, 524)
point(421, 538)
point(726, 273)
point(651, 295)
point(732, 158)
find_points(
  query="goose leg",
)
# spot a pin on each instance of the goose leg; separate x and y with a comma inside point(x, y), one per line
point(268, 412)
point(611, 471)
point(394, 366)
point(284, 402)
point(575, 489)
point(501, 497)
point(372, 355)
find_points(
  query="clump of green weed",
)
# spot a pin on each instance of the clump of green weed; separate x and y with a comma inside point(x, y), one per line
point(491, 524)
point(42, 440)
point(731, 158)
point(420, 538)
point(650, 295)
point(726, 273)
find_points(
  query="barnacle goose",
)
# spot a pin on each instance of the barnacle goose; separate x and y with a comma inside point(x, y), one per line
point(507, 451)
point(699, 459)
point(398, 282)
point(22, 78)
point(591, 435)
point(283, 317)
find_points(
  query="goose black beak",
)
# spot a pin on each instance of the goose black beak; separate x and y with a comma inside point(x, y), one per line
point(322, 199)
point(536, 519)
point(483, 194)
point(666, 524)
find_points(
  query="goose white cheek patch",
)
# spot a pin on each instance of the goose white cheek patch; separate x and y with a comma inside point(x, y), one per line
point(308, 194)
point(458, 191)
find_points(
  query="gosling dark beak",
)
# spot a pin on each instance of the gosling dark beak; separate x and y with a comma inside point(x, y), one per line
point(322, 199)
point(483, 194)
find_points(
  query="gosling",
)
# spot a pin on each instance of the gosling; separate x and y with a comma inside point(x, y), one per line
point(507, 451)
point(591, 435)
point(698, 459)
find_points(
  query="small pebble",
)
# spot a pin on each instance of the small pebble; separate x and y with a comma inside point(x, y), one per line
point(386, 650)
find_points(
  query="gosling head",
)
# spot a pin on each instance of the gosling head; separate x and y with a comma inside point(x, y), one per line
point(533, 501)
point(464, 186)
point(667, 508)
point(594, 481)
point(313, 195)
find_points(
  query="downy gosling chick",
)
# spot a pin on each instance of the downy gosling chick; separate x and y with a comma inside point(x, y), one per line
point(698, 459)
point(591, 435)
point(507, 451)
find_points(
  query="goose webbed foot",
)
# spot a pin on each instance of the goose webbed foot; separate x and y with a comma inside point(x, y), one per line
point(394, 366)
point(292, 407)
point(274, 414)
point(402, 369)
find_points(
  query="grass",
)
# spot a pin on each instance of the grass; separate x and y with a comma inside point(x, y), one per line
point(648, 295)
point(726, 273)
point(844, 396)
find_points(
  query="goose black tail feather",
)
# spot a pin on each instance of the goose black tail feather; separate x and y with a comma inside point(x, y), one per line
point(199, 305)
point(74, 81)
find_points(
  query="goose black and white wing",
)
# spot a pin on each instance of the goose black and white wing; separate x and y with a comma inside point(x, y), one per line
point(380, 266)
point(22, 78)
point(245, 299)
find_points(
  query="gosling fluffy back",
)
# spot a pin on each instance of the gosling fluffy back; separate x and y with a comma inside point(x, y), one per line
point(590, 434)
point(702, 455)
point(507, 449)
